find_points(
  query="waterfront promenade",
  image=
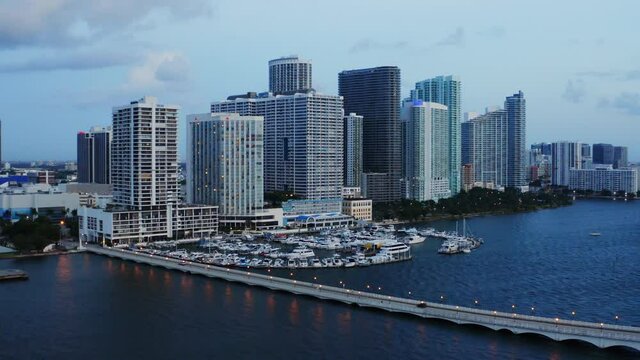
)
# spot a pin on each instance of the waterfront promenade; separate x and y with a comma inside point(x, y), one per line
point(598, 334)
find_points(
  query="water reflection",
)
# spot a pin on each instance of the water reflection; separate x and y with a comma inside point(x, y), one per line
point(63, 269)
point(294, 312)
point(248, 302)
point(271, 304)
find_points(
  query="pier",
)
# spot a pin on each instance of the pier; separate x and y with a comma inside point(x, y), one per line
point(599, 334)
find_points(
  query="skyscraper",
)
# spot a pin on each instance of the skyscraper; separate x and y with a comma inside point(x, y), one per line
point(303, 141)
point(144, 155)
point(375, 94)
point(225, 162)
point(289, 74)
point(586, 150)
point(620, 157)
point(485, 147)
point(515, 107)
point(426, 150)
point(353, 150)
point(602, 154)
point(446, 90)
point(94, 155)
point(144, 163)
point(564, 157)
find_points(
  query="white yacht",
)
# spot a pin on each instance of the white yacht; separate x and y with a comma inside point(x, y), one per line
point(449, 247)
point(316, 263)
point(301, 252)
point(415, 239)
point(395, 250)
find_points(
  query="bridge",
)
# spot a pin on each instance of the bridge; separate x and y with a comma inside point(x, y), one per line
point(599, 334)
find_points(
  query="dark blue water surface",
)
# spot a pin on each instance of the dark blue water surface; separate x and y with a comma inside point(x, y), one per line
point(87, 306)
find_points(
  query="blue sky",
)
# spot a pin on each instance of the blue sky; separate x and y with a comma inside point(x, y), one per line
point(65, 63)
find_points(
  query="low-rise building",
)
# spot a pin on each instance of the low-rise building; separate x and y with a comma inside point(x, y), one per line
point(359, 209)
point(604, 177)
point(40, 199)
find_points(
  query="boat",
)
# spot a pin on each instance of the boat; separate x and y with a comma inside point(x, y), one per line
point(301, 252)
point(395, 250)
point(291, 264)
point(349, 262)
point(595, 233)
point(449, 247)
point(466, 250)
point(415, 239)
point(316, 263)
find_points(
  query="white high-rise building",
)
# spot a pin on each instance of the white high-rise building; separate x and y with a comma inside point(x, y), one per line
point(144, 174)
point(303, 141)
point(484, 147)
point(144, 155)
point(289, 74)
point(446, 90)
point(353, 150)
point(426, 150)
point(564, 157)
point(225, 162)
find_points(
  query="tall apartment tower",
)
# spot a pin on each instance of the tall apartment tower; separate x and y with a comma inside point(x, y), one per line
point(620, 157)
point(94, 155)
point(144, 155)
point(485, 147)
point(446, 90)
point(225, 162)
point(602, 154)
point(353, 150)
point(426, 150)
point(289, 74)
point(516, 109)
point(303, 141)
point(375, 94)
point(564, 157)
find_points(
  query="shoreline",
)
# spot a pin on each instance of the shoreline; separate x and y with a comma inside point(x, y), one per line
point(463, 216)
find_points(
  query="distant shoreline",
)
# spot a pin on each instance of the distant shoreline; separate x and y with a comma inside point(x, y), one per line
point(463, 216)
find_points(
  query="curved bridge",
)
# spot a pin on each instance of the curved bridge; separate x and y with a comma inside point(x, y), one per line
point(599, 334)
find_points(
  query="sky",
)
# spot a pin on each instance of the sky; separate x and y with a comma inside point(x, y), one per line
point(65, 63)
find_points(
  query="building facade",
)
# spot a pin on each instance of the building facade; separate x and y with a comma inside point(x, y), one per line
point(620, 157)
point(303, 141)
point(604, 178)
point(94, 155)
point(485, 147)
point(374, 93)
point(516, 109)
point(145, 170)
point(564, 157)
point(602, 154)
point(446, 90)
point(426, 150)
point(353, 150)
point(359, 209)
point(290, 74)
point(144, 154)
point(225, 162)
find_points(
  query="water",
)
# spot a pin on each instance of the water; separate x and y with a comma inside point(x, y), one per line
point(90, 306)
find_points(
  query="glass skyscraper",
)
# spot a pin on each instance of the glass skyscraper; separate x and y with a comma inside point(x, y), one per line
point(374, 93)
point(516, 108)
point(446, 90)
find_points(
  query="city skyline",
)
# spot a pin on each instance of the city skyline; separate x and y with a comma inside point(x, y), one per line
point(82, 64)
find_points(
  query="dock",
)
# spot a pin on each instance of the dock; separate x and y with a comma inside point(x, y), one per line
point(599, 334)
point(13, 274)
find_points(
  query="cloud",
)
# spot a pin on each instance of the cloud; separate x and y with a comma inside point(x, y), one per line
point(71, 61)
point(574, 91)
point(626, 102)
point(493, 32)
point(367, 44)
point(626, 75)
point(74, 22)
point(457, 38)
point(165, 70)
